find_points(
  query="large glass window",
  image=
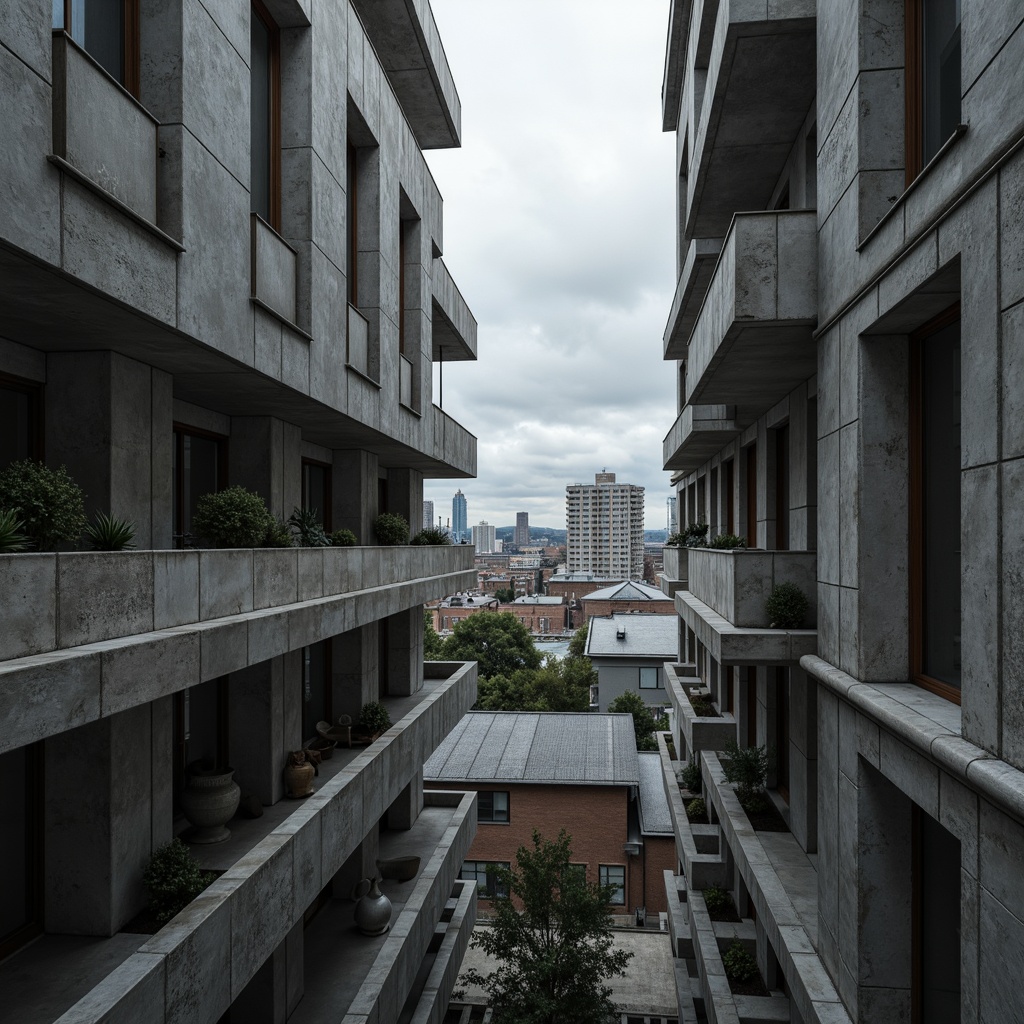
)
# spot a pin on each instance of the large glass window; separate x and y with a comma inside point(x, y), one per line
point(316, 490)
point(20, 435)
point(492, 807)
point(485, 874)
point(316, 687)
point(935, 507)
point(20, 846)
point(199, 467)
point(615, 875)
point(108, 30)
point(264, 103)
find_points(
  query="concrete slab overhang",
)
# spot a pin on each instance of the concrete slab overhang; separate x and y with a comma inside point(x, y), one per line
point(49, 310)
point(408, 45)
point(738, 645)
point(698, 267)
point(453, 326)
point(675, 63)
point(699, 432)
point(760, 85)
point(752, 343)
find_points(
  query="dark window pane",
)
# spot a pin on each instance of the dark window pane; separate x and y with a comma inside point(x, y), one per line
point(260, 116)
point(17, 439)
point(315, 686)
point(940, 923)
point(17, 890)
point(941, 73)
point(196, 469)
point(315, 491)
point(98, 27)
point(940, 444)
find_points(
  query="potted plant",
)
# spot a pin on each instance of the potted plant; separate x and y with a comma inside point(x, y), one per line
point(727, 542)
point(431, 535)
point(11, 538)
point(108, 533)
point(232, 518)
point(173, 879)
point(391, 528)
point(306, 523)
point(344, 539)
point(373, 720)
point(48, 504)
point(786, 606)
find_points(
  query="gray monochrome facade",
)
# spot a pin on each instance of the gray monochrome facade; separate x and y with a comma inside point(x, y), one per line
point(847, 335)
point(604, 524)
point(221, 263)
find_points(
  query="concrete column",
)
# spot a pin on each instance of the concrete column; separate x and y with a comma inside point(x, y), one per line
point(355, 675)
point(117, 446)
point(405, 496)
point(265, 723)
point(362, 863)
point(402, 814)
point(107, 807)
point(264, 456)
point(354, 498)
point(276, 988)
point(803, 759)
point(405, 652)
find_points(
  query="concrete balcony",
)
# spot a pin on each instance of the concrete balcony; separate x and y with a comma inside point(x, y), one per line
point(699, 432)
point(737, 583)
point(90, 634)
point(274, 272)
point(453, 445)
point(453, 326)
point(752, 343)
point(759, 88)
point(691, 288)
point(696, 732)
point(676, 565)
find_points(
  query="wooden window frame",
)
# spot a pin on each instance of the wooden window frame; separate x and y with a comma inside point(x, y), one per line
point(915, 534)
point(131, 46)
point(274, 177)
point(178, 484)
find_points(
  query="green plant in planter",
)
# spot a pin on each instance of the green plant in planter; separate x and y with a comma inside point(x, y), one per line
point(373, 717)
point(747, 769)
point(12, 539)
point(108, 533)
point(740, 966)
point(306, 523)
point(232, 518)
point(278, 535)
point(786, 606)
point(173, 879)
point(390, 528)
point(344, 539)
point(696, 810)
point(727, 542)
point(693, 536)
point(690, 775)
point(717, 899)
point(48, 503)
point(431, 535)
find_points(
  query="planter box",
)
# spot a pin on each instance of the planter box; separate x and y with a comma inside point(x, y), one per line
point(676, 563)
point(737, 583)
point(696, 733)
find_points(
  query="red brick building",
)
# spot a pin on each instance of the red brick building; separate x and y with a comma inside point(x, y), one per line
point(627, 597)
point(549, 771)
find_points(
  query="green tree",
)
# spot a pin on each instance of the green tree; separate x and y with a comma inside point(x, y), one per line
point(505, 595)
point(644, 722)
point(433, 644)
point(578, 643)
point(497, 641)
point(555, 953)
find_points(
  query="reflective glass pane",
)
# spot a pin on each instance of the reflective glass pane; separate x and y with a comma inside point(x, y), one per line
point(260, 117)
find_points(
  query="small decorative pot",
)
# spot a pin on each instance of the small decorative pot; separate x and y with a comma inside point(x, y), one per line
point(373, 911)
point(209, 800)
point(298, 776)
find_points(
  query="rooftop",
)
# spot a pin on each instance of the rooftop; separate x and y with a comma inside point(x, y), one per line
point(538, 747)
point(628, 591)
point(633, 635)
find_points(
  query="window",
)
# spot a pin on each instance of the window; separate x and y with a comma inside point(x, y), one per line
point(649, 679)
point(782, 488)
point(614, 875)
point(485, 874)
point(932, 78)
point(351, 237)
point(316, 490)
point(492, 807)
point(200, 728)
point(21, 849)
point(265, 116)
point(199, 466)
point(316, 687)
point(108, 30)
point(20, 420)
point(935, 506)
point(752, 496)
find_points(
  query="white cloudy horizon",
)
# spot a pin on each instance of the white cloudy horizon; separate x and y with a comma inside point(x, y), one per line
point(559, 231)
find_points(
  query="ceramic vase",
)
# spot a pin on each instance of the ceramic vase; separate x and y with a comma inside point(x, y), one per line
point(209, 800)
point(298, 779)
point(373, 911)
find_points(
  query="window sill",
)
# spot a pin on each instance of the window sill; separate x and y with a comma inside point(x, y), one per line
point(352, 368)
point(409, 409)
point(270, 311)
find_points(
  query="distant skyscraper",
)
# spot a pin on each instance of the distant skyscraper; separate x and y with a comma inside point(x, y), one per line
point(483, 538)
point(428, 515)
point(522, 538)
point(672, 522)
point(460, 531)
point(604, 524)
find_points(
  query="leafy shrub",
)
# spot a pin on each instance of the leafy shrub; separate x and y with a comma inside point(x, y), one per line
point(278, 535)
point(232, 518)
point(786, 606)
point(696, 810)
point(390, 528)
point(344, 539)
point(740, 965)
point(690, 775)
point(693, 536)
point(11, 537)
point(747, 769)
point(108, 533)
point(374, 717)
point(717, 899)
point(727, 542)
point(173, 879)
point(306, 523)
point(703, 707)
point(47, 502)
point(431, 535)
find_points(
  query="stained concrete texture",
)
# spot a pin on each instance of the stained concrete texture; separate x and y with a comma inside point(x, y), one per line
point(647, 988)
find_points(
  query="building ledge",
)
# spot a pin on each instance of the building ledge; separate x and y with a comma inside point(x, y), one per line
point(699, 432)
point(698, 267)
point(738, 645)
point(698, 732)
point(453, 326)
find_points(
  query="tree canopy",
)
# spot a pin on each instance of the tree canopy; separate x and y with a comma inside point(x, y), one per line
point(433, 645)
point(498, 641)
point(555, 953)
point(644, 722)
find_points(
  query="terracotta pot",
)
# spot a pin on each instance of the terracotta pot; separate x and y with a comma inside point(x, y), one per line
point(209, 800)
point(373, 911)
point(298, 779)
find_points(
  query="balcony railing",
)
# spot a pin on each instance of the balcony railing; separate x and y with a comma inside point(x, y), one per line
point(274, 267)
point(358, 342)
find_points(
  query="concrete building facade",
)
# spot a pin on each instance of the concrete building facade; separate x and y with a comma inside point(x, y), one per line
point(604, 523)
point(221, 264)
point(628, 651)
point(845, 331)
point(460, 527)
point(428, 515)
point(484, 540)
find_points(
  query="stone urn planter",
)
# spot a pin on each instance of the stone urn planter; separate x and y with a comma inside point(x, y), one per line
point(298, 775)
point(373, 908)
point(209, 800)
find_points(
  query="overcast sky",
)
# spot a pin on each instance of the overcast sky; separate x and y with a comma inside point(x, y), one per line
point(558, 229)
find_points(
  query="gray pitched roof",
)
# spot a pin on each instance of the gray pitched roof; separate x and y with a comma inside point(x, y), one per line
point(655, 818)
point(539, 747)
point(628, 591)
point(646, 636)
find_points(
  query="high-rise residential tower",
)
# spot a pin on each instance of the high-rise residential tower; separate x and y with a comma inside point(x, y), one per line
point(483, 538)
point(671, 519)
point(604, 523)
point(460, 529)
point(522, 537)
point(428, 515)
